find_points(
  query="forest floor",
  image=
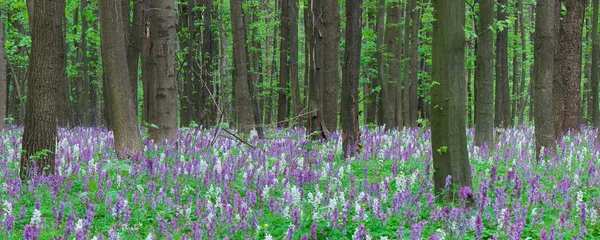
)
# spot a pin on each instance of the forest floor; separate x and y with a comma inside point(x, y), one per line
point(290, 187)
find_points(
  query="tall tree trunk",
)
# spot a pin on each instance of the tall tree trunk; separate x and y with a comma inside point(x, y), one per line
point(331, 72)
point(284, 67)
point(390, 84)
point(515, 74)
point(414, 65)
point(125, 126)
point(293, 41)
point(484, 126)
point(532, 71)
point(317, 125)
point(380, 31)
point(595, 62)
point(448, 134)
point(136, 39)
point(544, 45)
point(522, 98)
point(403, 97)
point(187, 107)
point(502, 117)
point(374, 97)
point(208, 59)
point(350, 79)
point(162, 75)
point(46, 70)
point(3, 79)
point(570, 61)
point(242, 105)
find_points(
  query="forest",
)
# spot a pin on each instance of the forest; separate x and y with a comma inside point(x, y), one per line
point(299, 119)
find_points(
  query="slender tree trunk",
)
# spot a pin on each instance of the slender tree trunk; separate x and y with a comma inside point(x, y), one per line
point(515, 78)
point(126, 132)
point(545, 42)
point(296, 101)
point(46, 70)
point(595, 62)
point(531, 71)
point(3, 79)
point(209, 56)
point(390, 84)
point(448, 134)
point(405, 58)
point(187, 106)
point(373, 97)
point(317, 125)
point(351, 76)
point(502, 87)
point(522, 98)
point(284, 67)
point(414, 65)
point(484, 126)
point(377, 99)
point(331, 72)
point(242, 105)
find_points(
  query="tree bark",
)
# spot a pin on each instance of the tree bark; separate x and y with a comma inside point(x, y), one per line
point(570, 58)
point(46, 70)
point(284, 67)
point(317, 125)
point(3, 79)
point(374, 109)
point(127, 136)
point(544, 45)
point(414, 66)
point(521, 93)
point(136, 39)
point(595, 62)
point(162, 76)
point(391, 110)
point(484, 125)
point(350, 78)
point(331, 71)
point(242, 105)
point(296, 101)
point(448, 134)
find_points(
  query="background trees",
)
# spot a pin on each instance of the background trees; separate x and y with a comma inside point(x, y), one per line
point(281, 62)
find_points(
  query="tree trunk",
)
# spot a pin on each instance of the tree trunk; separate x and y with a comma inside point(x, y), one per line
point(484, 125)
point(448, 134)
point(502, 87)
point(522, 98)
point(242, 105)
point(317, 126)
point(162, 76)
point(331, 72)
point(125, 126)
point(390, 83)
point(414, 66)
point(208, 59)
point(595, 62)
point(571, 28)
point(544, 46)
point(3, 79)
point(284, 67)
point(515, 74)
point(374, 110)
point(350, 78)
point(187, 100)
point(46, 70)
point(293, 41)
point(136, 39)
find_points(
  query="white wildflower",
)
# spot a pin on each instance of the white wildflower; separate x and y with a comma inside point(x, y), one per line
point(79, 225)
point(579, 200)
point(150, 236)
point(36, 219)
point(268, 237)
point(7, 207)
